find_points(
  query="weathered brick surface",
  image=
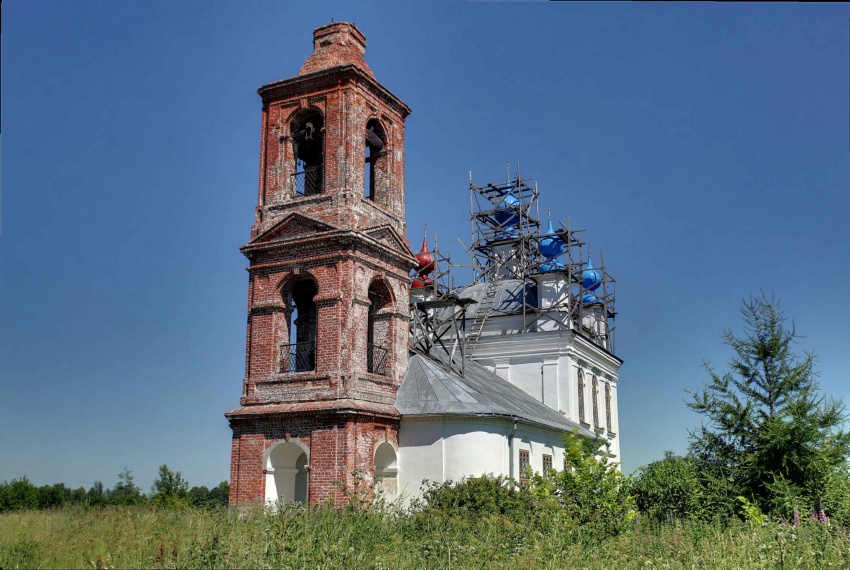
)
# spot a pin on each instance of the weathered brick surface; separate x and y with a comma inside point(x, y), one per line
point(334, 45)
point(341, 240)
point(338, 445)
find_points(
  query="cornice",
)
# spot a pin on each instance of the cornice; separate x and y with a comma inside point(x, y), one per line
point(546, 346)
point(330, 78)
point(320, 241)
point(583, 346)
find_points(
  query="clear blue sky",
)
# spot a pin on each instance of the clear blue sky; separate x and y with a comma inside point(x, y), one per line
point(703, 147)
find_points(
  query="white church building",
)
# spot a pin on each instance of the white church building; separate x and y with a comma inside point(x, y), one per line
point(536, 339)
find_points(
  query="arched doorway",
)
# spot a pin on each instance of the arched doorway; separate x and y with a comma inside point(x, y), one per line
point(386, 470)
point(286, 474)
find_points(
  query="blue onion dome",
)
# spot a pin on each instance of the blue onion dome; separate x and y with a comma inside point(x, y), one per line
point(589, 298)
point(591, 279)
point(551, 265)
point(551, 245)
point(506, 214)
point(510, 232)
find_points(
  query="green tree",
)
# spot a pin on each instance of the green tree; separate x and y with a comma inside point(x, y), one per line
point(50, 496)
point(674, 488)
point(170, 490)
point(199, 496)
point(96, 496)
point(210, 498)
point(220, 495)
point(591, 489)
point(18, 495)
point(767, 431)
point(125, 491)
point(77, 496)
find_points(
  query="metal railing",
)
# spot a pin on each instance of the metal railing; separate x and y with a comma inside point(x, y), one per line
point(299, 357)
point(308, 182)
point(376, 359)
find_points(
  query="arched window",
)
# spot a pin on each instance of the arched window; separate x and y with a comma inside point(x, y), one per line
point(378, 329)
point(374, 174)
point(286, 474)
point(299, 354)
point(608, 406)
point(595, 390)
point(386, 470)
point(308, 148)
point(580, 396)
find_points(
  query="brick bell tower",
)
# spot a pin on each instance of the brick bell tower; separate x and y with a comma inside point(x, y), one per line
point(328, 282)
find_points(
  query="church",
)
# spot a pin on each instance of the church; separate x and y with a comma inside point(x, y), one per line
point(363, 360)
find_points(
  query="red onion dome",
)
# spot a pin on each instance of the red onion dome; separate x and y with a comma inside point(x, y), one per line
point(426, 261)
point(421, 282)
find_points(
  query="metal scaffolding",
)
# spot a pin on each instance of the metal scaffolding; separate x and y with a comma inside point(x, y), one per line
point(510, 245)
point(508, 242)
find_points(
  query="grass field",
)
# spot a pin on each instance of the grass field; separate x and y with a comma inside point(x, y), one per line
point(146, 537)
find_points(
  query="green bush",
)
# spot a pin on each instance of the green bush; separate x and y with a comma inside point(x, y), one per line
point(671, 489)
point(836, 501)
point(485, 495)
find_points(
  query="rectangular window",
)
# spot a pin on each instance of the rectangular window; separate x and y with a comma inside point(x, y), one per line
point(524, 462)
point(608, 406)
point(547, 465)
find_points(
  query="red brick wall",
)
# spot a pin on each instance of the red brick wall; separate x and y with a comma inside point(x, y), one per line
point(337, 445)
point(347, 98)
point(343, 242)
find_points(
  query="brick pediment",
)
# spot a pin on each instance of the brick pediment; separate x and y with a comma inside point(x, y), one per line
point(387, 236)
point(294, 225)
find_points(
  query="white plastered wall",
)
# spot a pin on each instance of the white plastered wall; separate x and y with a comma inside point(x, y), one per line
point(446, 448)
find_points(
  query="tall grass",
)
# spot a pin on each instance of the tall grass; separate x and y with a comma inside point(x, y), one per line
point(146, 537)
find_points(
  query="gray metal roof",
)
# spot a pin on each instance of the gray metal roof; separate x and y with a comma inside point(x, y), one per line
point(429, 389)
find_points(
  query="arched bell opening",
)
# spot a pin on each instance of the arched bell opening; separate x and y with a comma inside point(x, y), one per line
point(308, 149)
point(299, 354)
point(375, 169)
point(378, 332)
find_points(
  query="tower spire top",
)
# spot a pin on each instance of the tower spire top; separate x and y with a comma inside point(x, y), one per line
point(337, 44)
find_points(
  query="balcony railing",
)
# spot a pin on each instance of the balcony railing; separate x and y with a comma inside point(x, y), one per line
point(376, 359)
point(307, 182)
point(299, 357)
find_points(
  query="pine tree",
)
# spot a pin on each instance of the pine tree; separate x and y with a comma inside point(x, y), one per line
point(768, 433)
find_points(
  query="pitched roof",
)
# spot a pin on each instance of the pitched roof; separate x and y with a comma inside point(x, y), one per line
point(429, 389)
